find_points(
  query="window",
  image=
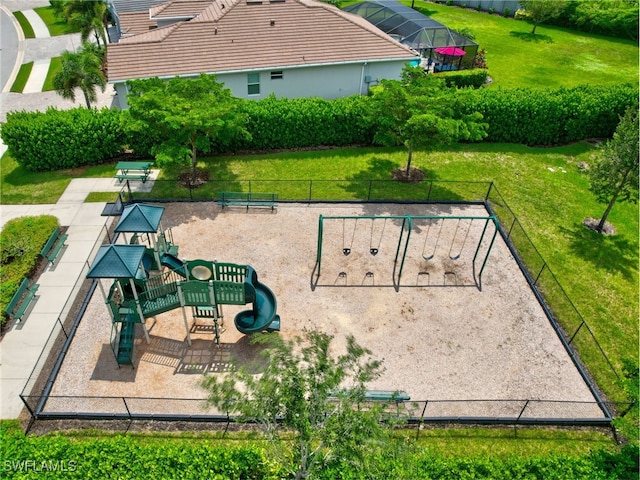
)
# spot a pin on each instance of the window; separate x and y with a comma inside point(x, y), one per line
point(253, 84)
point(278, 75)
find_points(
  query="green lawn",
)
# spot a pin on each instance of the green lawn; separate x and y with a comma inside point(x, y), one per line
point(20, 186)
point(553, 57)
point(54, 67)
point(22, 78)
point(55, 25)
point(26, 27)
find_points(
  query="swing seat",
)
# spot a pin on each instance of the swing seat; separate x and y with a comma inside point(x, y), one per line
point(346, 251)
point(373, 251)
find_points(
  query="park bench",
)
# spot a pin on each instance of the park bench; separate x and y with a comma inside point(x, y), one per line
point(133, 171)
point(385, 395)
point(53, 246)
point(248, 199)
point(21, 300)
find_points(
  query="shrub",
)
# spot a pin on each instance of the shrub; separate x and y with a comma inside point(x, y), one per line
point(522, 15)
point(465, 78)
point(491, 10)
point(507, 12)
point(281, 123)
point(551, 117)
point(22, 240)
point(59, 139)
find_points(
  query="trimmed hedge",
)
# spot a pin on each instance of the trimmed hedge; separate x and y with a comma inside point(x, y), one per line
point(59, 139)
point(167, 458)
point(22, 240)
point(307, 122)
point(72, 138)
point(551, 117)
point(465, 78)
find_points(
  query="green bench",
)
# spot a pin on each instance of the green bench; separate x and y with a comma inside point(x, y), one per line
point(53, 246)
point(386, 395)
point(248, 199)
point(21, 300)
point(133, 171)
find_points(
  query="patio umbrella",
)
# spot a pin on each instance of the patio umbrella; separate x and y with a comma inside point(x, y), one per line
point(450, 51)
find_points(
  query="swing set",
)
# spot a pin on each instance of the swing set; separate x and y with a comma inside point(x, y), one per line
point(433, 239)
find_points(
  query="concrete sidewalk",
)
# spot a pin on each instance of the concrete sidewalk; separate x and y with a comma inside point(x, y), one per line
point(22, 344)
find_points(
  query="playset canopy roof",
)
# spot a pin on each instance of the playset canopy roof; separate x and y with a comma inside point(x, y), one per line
point(117, 261)
point(140, 218)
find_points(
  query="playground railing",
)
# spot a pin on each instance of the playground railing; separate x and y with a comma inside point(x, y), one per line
point(324, 190)
point(572, 328)
point(42, 376)
point(471, 411)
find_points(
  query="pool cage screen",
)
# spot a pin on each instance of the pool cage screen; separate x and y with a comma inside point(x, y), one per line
point(415, 30)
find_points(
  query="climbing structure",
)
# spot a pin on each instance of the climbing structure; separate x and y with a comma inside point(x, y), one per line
point(150, 280)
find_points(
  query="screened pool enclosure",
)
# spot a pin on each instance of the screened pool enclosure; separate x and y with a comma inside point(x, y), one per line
point(416, 31)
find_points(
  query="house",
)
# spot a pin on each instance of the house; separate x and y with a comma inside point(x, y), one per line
point(290, 48)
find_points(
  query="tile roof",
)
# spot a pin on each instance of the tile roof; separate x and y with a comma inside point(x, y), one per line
point(247, 34)
point(134, 23)
point(179, 9)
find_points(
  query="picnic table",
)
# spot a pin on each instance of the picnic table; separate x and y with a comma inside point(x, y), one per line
point(133, 171)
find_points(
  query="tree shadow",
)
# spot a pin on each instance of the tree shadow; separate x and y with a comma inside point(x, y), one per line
point(532, 37)
point(615, 254)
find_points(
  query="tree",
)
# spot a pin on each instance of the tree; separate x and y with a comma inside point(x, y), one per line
point(315, 396)
point(615, 174)
point(420, 111)
point(186, 115)
point(88, 16)
point(542, 10)
point(81, 70)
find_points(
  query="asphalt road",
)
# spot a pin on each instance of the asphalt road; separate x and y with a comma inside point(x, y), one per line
point(8, 48)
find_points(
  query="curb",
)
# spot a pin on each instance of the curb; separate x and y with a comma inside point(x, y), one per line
point(20, 56)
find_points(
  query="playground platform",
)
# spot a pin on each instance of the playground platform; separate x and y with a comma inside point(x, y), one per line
point(440, 337)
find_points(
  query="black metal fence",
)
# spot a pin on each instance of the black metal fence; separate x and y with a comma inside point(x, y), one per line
point(569, 324)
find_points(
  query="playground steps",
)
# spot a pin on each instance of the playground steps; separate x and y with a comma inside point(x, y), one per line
point(124, 355)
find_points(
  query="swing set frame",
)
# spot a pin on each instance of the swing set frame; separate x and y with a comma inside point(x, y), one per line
point(404, 238)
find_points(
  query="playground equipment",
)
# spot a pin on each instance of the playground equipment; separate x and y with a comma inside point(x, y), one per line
point(149, 281)
point(404, 231)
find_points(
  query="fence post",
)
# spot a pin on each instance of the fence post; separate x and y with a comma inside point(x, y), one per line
point(535, 282)
point(511, 227)
point(486, 197)
point(127, 408)
point(526, 404)
point(429, 190)
point(66, 335)
point(576, 332)
point(421, 418)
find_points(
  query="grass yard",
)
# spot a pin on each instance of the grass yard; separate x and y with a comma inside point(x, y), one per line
point(55, 25)
point(553, 57)
point(26, 27)
point(54, 67)
point(22, 78)
point(20, 186)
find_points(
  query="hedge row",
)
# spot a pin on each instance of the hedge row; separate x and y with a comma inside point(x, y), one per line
point(59, 139)
point(22, 240)
point(65, 139)
point(66, 457)
point(551, 117)
point(307, 122)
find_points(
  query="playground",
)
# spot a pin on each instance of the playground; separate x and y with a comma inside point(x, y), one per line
point(431, 290)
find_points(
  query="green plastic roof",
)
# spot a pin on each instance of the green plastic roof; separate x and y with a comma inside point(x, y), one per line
point(117, 261)
point(140, 218)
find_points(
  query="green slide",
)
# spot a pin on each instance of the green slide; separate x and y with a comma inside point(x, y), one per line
point(263, 315)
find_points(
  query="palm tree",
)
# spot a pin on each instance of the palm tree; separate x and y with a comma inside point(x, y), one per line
point(88, 16)
point(81, 70)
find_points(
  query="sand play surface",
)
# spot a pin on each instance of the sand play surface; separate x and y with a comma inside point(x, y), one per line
point(440, 337)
